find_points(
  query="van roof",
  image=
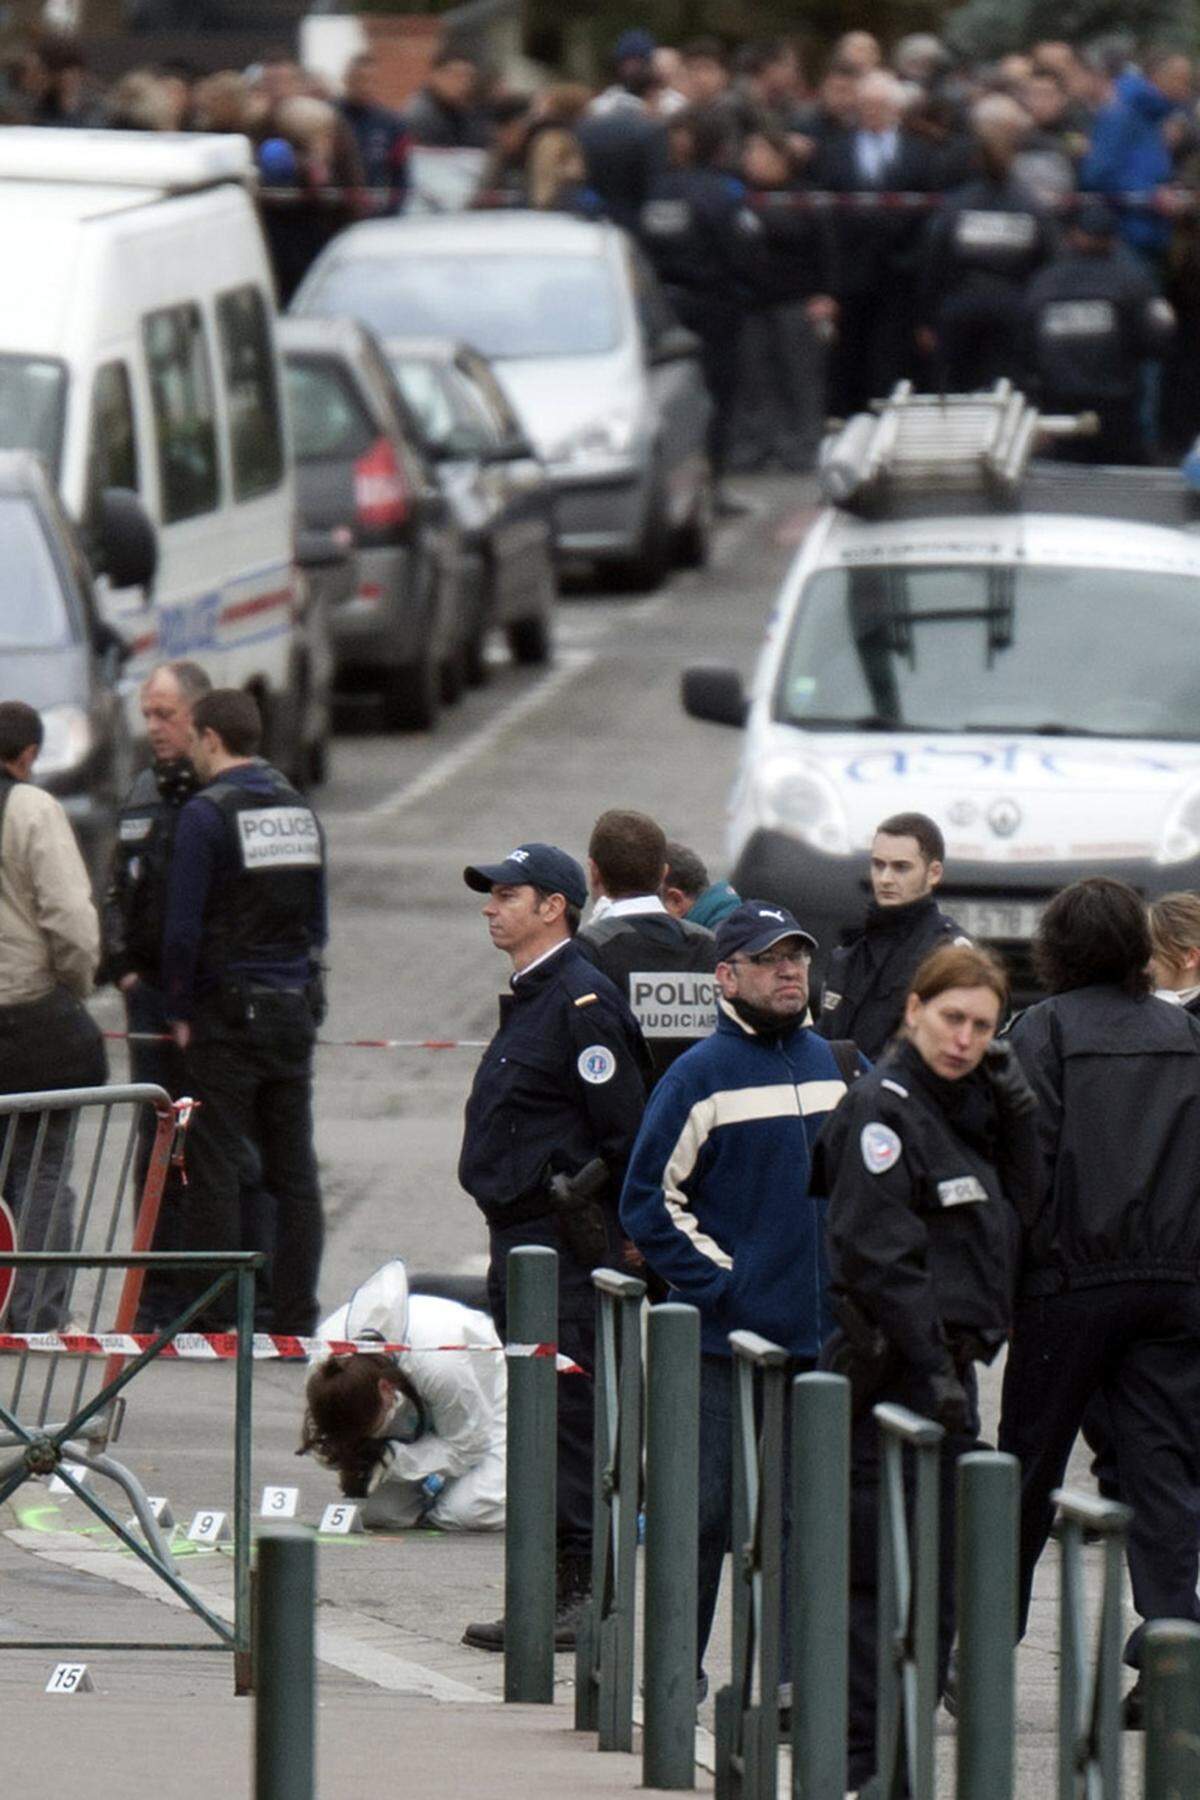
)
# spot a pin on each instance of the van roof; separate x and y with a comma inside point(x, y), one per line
point(148, 162)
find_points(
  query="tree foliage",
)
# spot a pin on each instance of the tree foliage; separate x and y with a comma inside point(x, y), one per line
point(988, 28)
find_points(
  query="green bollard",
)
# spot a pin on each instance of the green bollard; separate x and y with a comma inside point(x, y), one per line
point(986, 1552)
point(284, 1718)
point(531, 1478)
point(820, 1584)
point(1171, 1671)
point(672, 1546)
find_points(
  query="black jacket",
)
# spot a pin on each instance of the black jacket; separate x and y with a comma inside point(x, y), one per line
point(793, 247)
point(135, 905)
point(1118, 1086)
point(663, 967)
point(561, 1082)
point(868, 975)
point(624, 153)
point(923, 1225)
point(1092, 320)
point(692, 229)
point(987, 241)
point(875, 247)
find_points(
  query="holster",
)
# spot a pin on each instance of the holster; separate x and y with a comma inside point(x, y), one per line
point(580, 1216)
point(858, 1350)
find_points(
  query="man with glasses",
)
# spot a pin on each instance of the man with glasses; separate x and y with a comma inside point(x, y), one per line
point(716, 1197)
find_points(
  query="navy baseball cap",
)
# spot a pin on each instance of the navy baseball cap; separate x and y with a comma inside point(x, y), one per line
point(754, 926)
point(634, 46)
point(532, 865)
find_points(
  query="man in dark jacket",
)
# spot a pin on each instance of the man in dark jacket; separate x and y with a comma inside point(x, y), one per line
point(869, 973)
point(444, 115)
point(1110, 1294)
point(624, 146)
point(381, 136)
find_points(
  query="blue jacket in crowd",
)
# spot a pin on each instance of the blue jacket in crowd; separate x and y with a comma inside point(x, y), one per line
point(716, 1195)
point(1129, 154)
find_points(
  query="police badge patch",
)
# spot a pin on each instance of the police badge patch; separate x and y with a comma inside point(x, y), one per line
point(880, 1148)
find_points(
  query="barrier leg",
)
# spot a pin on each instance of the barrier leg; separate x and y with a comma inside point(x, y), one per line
point(529, 1538)
point(672, 1546)
point(820, 1584)
point(988, 1494)
point(284, 1734)
point(1171, 1671)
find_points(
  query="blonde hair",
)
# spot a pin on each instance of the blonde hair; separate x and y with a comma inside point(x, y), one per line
point(555, 159)
point(1175, 927)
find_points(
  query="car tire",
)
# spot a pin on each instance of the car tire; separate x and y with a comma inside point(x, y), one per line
point(694, 539)
point(529, 639)
point(454, 676)
point(475, 664)
point(316, 762)
point(650, 563)
point(412, 695)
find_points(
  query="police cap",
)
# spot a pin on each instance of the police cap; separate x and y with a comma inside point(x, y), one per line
point(532, 865)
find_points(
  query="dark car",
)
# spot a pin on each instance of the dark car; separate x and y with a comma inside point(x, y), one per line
point(402, 632)
point(499, 490)
point(57, 654)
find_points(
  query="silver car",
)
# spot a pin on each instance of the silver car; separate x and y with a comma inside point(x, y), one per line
point(604, 379)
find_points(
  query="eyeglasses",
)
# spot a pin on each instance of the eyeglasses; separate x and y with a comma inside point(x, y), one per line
point(772, 959)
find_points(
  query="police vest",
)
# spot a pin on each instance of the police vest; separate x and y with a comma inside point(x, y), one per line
point(277, 853)
point(145, 838)
point(664, 967)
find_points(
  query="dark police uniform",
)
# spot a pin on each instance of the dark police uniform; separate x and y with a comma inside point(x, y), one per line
point(664, 967)
point(560, 1084)
point(135, 908)
point(922, 1176)
point(246, 921)
point(980, 250)
point(1110, 1291)
point(869, 974)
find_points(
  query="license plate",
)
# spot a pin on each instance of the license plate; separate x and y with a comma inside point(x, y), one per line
point(996, 919)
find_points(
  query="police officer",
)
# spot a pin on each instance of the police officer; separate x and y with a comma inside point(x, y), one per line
point(246, 923)
point(663, 966)
point(134, 910)
point(550, 1122)
point(929, 1164)
point(1094, 317)
point(869, 972)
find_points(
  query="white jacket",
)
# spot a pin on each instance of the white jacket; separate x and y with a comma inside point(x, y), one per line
point(464, 1394)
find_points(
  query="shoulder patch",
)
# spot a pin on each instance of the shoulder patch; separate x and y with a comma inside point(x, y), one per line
point(830, 1000)
point(893, 1087)
point(596, 1064)
point(964, 941)
point(880, 1148)
point(587, 1000)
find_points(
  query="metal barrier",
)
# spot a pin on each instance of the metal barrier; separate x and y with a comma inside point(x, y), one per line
point(908, 1604)
point(819, 1574)
point(604, 1644)
point(748, 1709)
point(531, 1478)
point(989, 1486)
point(672, 1545)
point(1089, 1694)
point(1171, 1672)
point(285, 1712)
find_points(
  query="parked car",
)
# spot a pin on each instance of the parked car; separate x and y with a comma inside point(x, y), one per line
point(502, 498)
point(403, 631)
point(58, 654)
point(605, 380)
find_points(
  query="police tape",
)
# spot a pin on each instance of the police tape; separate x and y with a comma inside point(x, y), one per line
point(222, 1346)
point(164, 1037)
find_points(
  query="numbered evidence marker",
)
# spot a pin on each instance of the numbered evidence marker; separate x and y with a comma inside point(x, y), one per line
point(279, 1503)
point(160, 1509)
point(71, 1678)
point(82, 1475)
point(210, 1528)
point(341, 1516)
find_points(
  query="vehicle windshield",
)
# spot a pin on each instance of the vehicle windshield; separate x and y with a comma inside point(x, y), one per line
point(1003, 648)
point(33, 392)
point(327, 419)
point(33, 610)
point(444, 409)
point(503, 305)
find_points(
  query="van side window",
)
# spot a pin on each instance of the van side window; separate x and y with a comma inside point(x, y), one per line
point(112, 445)
point(182, 390)
point(255, 425)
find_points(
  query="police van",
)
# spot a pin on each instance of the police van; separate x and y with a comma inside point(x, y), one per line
point(1006, 645)
point(137, 351)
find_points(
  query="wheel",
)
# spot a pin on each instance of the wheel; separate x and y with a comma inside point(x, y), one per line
point(475, 663)
point(454, 676)
point(529, 639)
point(316, 762)
point(694, 539)
point(650, 563)
point(412, 695)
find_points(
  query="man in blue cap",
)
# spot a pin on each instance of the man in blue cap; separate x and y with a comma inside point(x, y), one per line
point(716, 1197)
point(550, 1122)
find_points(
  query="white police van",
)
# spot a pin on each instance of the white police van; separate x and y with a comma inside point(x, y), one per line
point(1009, 647)
point(137, 351)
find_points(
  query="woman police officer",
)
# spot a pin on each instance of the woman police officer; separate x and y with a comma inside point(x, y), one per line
point(929, 1164)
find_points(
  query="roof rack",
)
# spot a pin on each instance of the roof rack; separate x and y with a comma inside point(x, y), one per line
point(914, 447)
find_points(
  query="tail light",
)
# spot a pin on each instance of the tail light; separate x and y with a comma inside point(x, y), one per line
point(381, 498)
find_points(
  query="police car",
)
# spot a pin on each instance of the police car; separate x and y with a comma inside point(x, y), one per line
point(1008, 646)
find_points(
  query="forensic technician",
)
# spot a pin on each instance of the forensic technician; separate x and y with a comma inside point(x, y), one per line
point(245, 927)
point(550, 1121)
point(419, 1434)
point(929, 1165)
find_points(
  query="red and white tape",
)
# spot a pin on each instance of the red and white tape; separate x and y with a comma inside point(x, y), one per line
point(163, 1037)
point(221, 1346)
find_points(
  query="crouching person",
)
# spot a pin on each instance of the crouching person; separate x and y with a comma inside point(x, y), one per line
point(419, 1435)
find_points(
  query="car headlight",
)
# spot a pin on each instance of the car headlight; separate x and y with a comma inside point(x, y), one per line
point(797, 798)
point(68, 740)
point(612, 435)
point(1180, 840)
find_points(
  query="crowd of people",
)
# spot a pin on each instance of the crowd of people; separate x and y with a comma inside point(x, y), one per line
point(826, 230)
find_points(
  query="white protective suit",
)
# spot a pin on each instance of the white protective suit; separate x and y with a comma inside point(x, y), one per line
point(464, 1395)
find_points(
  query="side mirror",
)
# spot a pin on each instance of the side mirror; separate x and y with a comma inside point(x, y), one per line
point(125, 540)
point(324, 549)
point(458, 446)
point(677, 344)
point(513, 449)
point(715, 693)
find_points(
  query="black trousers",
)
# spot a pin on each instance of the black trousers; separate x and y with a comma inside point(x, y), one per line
point(254, 1084)
point(911, 1390)
point(874, 348)
point(1138, 1344)
point(162, 1065)
point(576, 1393)
point(719, 328)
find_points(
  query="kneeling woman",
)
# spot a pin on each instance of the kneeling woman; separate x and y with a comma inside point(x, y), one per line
point(929, 1164)
point(420, 1435)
